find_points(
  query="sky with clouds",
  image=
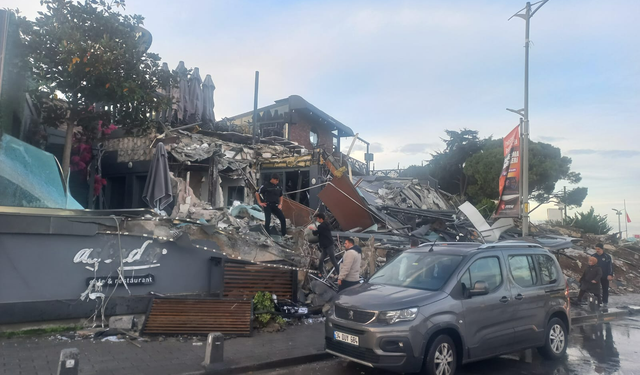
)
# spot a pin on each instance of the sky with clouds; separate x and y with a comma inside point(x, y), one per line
point(401, 72)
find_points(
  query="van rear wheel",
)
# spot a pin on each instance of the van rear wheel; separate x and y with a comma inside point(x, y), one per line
point(556, 339)
point(441, 357)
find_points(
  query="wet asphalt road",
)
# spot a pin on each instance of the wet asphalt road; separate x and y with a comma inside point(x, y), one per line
point(609, 348)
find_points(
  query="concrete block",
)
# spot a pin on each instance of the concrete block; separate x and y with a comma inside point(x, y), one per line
point(121, 322)
point(215, 349)
point(69, 362)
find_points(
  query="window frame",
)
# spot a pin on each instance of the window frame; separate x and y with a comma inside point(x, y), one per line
point(314, 131)
point(468, 269)
point(535, 268)
point(555, 268)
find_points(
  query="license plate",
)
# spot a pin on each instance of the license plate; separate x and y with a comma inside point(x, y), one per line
point(349, 339)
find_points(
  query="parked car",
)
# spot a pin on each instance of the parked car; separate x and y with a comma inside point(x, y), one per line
point(436, 307)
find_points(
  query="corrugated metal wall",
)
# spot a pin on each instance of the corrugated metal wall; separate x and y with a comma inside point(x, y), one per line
point(243, 280)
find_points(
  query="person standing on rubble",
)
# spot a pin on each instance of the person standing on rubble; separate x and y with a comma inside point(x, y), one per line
point(350, 270)
point(270, 198)
point(605, 262)
point(326, 243)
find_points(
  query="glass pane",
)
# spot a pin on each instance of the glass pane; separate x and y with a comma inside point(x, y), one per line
point(417, 270)
point(30, 177)
point(522, 270)
point(548, 271)
point(487, 270)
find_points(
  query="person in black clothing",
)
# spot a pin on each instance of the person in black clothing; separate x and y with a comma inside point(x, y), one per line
point(590, 281)
point(270, 197)
point(605, 262)
point(326, 243)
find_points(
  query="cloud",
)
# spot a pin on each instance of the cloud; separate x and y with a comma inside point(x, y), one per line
point(376, 147)
point(606, 153)
point(416, 148)
point(356, 147)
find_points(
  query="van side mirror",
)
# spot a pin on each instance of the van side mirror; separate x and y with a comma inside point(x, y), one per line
point(480, 288)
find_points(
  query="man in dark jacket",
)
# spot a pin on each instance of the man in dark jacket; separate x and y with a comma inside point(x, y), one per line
point(326, 243)
point(605, 262)
point(590, 281)
point(270, 197)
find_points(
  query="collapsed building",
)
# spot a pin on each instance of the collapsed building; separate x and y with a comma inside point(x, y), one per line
point(209, 245)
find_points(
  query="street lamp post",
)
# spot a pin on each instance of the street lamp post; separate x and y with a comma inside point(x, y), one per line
point(524, 112)
point(619, 213)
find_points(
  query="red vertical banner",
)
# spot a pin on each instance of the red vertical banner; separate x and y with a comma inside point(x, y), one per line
point(509, 203)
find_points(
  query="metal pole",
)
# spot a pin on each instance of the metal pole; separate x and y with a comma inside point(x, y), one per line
point(565, 204)
point(626, 223)
point(368, 162)
point(255, 109)
point(619, 213)
point(525, 130)
point(525, 114)
point(619, 225)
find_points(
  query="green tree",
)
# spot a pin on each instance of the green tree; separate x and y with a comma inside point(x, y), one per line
point(94, 58)
point(590, 222)
point(547, 166)
point(574, 198)
point(447, 166)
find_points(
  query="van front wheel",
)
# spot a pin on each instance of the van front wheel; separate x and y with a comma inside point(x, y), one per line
point(441, 357)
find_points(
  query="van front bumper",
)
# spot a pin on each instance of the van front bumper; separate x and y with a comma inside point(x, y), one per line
point(385, 348)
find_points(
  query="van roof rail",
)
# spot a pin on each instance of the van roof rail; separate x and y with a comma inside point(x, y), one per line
point(510, 244)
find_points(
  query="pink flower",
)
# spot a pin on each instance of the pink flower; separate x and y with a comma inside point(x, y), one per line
point(108, 130)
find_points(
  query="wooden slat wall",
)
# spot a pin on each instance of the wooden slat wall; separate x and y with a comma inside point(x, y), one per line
point(198, 316)
point(244, 280)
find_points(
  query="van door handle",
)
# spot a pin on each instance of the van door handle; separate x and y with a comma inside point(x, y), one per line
point(519, 297)
point(504, 299)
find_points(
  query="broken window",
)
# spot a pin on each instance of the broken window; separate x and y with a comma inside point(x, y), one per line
point(313, 137)
point(235, 193)
point(273, 129)
point(295, 182)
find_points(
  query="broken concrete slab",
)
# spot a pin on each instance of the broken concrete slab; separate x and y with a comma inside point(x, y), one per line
point(125, 322)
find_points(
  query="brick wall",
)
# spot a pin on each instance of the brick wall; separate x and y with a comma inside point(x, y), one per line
point(299, 132)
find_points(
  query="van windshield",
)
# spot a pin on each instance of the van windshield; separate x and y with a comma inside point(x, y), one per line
point(428, 271)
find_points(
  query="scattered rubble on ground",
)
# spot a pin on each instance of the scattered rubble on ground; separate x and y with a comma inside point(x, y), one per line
point(383, 214)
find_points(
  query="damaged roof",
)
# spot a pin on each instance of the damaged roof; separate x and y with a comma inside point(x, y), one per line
point(297, 103)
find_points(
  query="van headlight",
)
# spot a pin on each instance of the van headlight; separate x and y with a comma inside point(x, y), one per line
point(391, 317)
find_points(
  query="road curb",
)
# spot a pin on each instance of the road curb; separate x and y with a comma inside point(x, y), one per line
point(223, 368)
point(601, 317)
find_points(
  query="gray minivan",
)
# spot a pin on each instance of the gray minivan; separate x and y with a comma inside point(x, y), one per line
point(436, 307)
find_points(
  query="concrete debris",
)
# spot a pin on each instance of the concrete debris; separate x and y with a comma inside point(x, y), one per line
point(385, 215)
point(403, 193)
point(321, 293)
point(121, 322)
point(198, 147)
point(246, 211)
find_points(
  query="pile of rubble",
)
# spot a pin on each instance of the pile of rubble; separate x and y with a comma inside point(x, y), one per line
point(385, 215)
point(574, 259)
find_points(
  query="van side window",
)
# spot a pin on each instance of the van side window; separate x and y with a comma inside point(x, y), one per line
point(548, 270)
point(485, 269)
point(523, 270)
